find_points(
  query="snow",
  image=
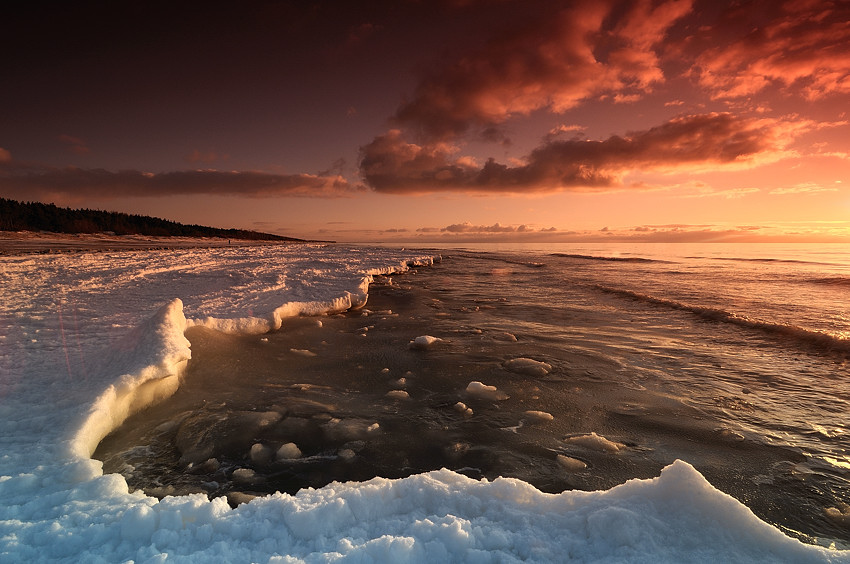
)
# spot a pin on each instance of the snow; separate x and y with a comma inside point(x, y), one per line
point(89, 338)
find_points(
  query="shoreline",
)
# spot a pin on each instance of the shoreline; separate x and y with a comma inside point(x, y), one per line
point(15, 243)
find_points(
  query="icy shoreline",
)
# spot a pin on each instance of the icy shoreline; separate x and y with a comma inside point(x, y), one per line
point(67, 382)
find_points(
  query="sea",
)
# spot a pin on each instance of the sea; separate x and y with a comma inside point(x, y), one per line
point(567, 366)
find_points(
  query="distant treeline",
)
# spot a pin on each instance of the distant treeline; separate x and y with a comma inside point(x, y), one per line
point(35, 216)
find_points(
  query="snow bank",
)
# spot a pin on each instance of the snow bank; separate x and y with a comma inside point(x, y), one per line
point(149, 361)
point(66, 380)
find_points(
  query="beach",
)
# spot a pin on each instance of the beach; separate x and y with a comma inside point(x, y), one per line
point(26, 242)
point(451, 404)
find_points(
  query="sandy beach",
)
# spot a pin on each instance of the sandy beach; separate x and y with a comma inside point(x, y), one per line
point(29, 242)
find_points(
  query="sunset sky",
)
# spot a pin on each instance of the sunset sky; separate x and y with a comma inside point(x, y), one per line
point(437, 120)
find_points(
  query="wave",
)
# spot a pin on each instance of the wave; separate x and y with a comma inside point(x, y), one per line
point(768, 260)
point(832, 281)
point(817, 339)
point(608, 259)
point(486, 256)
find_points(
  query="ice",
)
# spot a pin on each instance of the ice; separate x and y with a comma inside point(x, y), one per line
point(571, 464)
point(483, 391)
point(595, 442)
point(260, 454)
point(539, 416)
point(398, 394)
point(461, 408)
point(288, 451)
point(122, 325)
point(505, 336)
point(528, 366)
point(423, 342)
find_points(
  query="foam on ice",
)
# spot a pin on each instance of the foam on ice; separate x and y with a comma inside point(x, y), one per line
point(88, 339)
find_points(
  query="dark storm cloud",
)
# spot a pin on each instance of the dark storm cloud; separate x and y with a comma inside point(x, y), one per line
point(26, 180)
point(390, 164)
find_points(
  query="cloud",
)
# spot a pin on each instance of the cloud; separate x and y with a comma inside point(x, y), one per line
point(561, 130)
point(803, 188)
point(27, 180)
point(730, 194)
point(205, 157)
point(554, 61)
point(75, 144)
point(714, 141)
point(797, 44)
point(467, 227)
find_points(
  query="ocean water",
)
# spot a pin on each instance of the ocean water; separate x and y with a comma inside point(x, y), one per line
point(569, 367)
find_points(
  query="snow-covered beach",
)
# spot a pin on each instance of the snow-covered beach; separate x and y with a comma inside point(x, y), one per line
point(89, 338)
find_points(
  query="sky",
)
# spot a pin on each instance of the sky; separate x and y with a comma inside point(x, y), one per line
point(437, 120)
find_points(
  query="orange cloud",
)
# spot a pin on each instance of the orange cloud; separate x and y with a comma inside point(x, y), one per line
point(799, 44)
point(554, 62)
point(467, 227)
point(713, 141)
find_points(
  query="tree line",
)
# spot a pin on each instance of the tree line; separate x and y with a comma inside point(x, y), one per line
point(36, 216)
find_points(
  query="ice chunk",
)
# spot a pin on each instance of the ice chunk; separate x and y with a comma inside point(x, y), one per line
point(461, 408)
point(528, 366)
point(595, 442)
point(302, 352)
point(244, 476)
point(538, 416)
point(288, 451)
point(840, 514)
point(423, 342)
point(507, 337)
point(398, 394)
point(260, 454)
point(480, 390)
point(571, 464)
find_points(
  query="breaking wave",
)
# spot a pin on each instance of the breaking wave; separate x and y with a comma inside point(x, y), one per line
point(607, 259)
point(817, 339)
point(832, 281)
point(769, 260)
